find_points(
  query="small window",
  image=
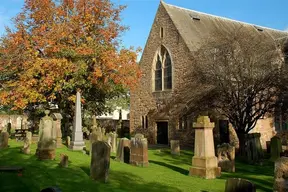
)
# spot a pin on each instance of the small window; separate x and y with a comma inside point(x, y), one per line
point(143, 122)
point(146, 122)
point(161, 32)
point(195, 17)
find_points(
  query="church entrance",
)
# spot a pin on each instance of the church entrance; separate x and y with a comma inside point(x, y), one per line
point(162, 133)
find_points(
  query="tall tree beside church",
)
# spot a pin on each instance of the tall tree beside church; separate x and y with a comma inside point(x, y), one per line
point(57, 47)
point(240, 74)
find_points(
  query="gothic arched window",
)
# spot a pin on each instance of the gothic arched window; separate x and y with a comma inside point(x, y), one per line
point(163, 70)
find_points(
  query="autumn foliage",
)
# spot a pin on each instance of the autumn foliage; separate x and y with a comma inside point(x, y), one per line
point(57, 47)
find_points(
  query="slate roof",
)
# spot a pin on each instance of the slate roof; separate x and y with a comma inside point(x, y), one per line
point(193, 31)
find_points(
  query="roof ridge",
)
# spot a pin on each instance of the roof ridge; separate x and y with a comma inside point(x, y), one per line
point(225, 18)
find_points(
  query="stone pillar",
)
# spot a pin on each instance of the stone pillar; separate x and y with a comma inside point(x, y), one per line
point(27, 143)
point(139, 151)
point(204, 162)
point(175, 147)
point(77, 142)
point(57, 124)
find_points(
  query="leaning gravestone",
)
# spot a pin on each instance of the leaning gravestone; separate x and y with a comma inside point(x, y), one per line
point(27, 143)
point(239, 185)
point(254, 152)
point(139, 151)
point(123, 150)
point(275, 148)
point(226, 157)
point(100, 161)
point(4, 138)
point(47, 138)
point(175, 147)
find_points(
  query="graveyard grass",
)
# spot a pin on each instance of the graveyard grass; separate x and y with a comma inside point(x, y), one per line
point(166, 173)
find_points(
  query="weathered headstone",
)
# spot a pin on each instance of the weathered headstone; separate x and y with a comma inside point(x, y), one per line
point(281, 175)
point(27, 143)
point(254, 152)
point(64, 160)
point(226, 157)
point(4, 138)
point(68, 141)
point(204, 162)
point(139, 151)
point(57, 124)
point(100, 161)
point(175, 147)
point(123, 150)
point(239, 185)
point(77, 142)
point(233, 138)
point(19, 122)
point(275, 148)
point(47, 138)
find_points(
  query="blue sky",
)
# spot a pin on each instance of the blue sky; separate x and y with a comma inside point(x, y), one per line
point(139, 14)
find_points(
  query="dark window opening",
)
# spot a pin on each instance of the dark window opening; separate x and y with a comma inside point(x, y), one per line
point(161, 32)
point(143, 125)
point(168, 73)
point(146, 122)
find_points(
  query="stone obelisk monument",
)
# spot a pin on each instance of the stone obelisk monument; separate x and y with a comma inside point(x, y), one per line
point(77, 142)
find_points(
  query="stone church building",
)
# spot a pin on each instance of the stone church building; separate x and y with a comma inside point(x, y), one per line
point(175, 33)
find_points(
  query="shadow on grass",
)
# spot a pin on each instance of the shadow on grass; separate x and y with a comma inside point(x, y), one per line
point(261, 176)
point(41, 174)
point(184, 157)
point(174, 168)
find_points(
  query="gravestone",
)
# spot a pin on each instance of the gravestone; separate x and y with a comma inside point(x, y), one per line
point(27, 143)
point(275, 148)
point(233, 138)
point(123, 150)
point(57, 124)
point(226, 157)
point(64, 160)
point(4, 138)
point(204, 162)
point(239, 185)
point(68, 141)
point(77, 142)
point(254, 152)
point(281, 175)
point(96, 133)
point(114, 142)
point(19, 123)
point(175, 147)
point(47, 138)
point(139, 151)
point(268, 145)
point(100, 161)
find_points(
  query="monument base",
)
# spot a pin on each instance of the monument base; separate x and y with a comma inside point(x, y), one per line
point(140, 164)
point(77, 145)
point(46, 154)
point(205, 167)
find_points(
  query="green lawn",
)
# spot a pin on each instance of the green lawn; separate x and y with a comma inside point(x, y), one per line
point(164, 174)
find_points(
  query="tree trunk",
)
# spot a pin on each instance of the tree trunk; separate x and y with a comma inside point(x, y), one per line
point(242, 144)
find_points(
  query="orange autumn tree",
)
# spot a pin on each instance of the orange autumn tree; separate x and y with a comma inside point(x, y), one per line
point(58, 47)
